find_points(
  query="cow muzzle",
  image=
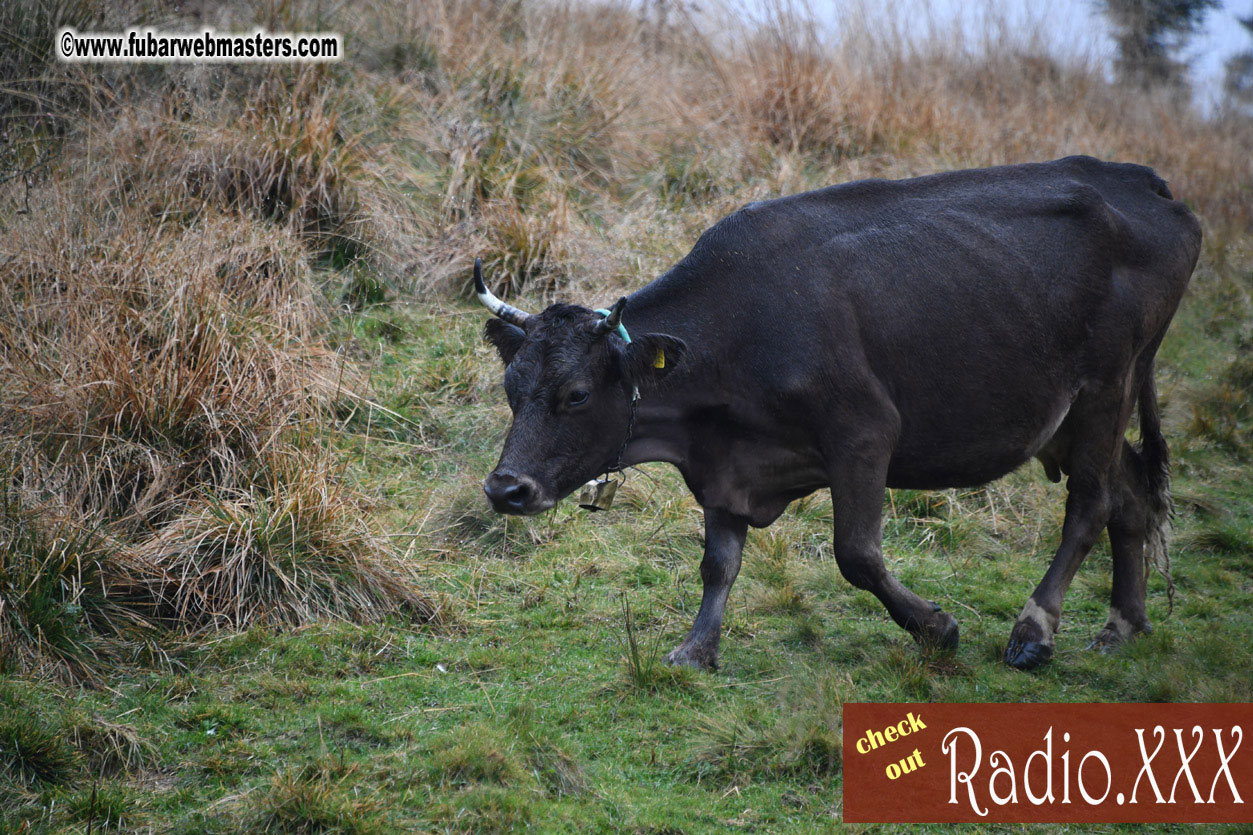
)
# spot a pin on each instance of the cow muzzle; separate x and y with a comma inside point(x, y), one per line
point(514, 493)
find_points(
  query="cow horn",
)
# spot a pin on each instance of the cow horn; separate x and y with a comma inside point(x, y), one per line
point(614, 319)
point(507, 312)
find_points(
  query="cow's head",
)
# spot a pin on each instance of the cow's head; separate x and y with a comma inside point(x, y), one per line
point(570, 377)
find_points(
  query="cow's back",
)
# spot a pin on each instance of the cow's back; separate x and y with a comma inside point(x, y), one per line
point(1033, 247)
point(1126, 205)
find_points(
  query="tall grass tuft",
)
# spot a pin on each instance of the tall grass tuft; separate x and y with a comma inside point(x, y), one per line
point(290, 159)
point(642, 659)
point(33, 752)
point(288, 549)
point(317, 797)
point(56, 615)
point(644, 666)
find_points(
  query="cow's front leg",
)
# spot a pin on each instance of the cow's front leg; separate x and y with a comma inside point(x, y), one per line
point(724, 545)
point(858, 482)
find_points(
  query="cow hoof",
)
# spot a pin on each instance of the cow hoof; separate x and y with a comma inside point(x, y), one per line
point(940, 631)
point(1111, 637)
point(684, 656)
point(1107, 640)
point(1027, 655)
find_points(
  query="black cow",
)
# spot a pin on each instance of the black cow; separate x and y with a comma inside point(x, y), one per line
point(926, 333)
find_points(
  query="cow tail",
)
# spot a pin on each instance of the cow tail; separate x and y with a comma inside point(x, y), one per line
point(1155, 460)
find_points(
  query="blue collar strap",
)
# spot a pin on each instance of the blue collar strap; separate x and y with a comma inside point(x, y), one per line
point(622, 331)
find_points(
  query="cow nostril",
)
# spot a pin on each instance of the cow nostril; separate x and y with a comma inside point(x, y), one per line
point(510, 493)
point(517, 494)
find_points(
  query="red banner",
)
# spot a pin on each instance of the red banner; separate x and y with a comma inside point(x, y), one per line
point(1057, 763)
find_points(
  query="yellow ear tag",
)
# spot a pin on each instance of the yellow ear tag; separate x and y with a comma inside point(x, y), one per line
point(660, 361)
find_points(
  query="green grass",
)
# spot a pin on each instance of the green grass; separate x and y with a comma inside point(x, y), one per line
point(540, 707)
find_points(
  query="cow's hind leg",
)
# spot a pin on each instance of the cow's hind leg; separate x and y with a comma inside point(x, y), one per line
point(1141, 516)
point(857, 487)
point(724, 548)
point(1129, 529)
point(1094, 432)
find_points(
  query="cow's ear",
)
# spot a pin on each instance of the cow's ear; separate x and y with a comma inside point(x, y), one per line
point(654, 355)
point(506, 337)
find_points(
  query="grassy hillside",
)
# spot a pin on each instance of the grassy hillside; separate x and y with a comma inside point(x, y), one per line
point(248, 580)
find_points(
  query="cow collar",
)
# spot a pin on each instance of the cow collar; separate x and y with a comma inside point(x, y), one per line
point(635, 398)
point(598, 493)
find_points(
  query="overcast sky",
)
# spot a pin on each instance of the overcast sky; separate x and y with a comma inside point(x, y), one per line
point(1066, 25)
point(1222, 38)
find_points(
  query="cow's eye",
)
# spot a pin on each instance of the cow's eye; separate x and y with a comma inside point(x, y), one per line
point(578, 397)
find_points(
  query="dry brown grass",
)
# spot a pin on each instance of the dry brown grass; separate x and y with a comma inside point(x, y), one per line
point(282, 154)
point(554, 128)
point(139, 360)
point(164, 377)
point(160, 382)
point(290, 548)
